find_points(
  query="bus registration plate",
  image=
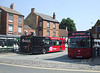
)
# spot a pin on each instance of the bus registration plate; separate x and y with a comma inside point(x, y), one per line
point(78, 56)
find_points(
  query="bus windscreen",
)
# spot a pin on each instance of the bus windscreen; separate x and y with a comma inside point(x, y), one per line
point(79, 42)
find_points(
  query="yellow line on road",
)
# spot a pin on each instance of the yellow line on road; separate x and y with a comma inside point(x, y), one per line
point(50, 68)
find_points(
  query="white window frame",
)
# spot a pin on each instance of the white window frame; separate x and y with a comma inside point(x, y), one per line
point(10, 17)
point(10, 28)
point(48, 24)
point(54, 25)
point(19, 29)
point(20, 19)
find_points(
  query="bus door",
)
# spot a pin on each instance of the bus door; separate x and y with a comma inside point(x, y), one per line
point(25, 44)
point(63, 44)
point(52, 48)
point(3, 43)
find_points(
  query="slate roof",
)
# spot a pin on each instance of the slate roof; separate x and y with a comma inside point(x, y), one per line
point(46, 17)
point(10, 10)
point(27, 27)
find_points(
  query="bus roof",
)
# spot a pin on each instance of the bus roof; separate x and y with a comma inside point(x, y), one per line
point(10, 36)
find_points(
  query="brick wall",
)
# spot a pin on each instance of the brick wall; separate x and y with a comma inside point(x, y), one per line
point(29, 30)
point(31, 20)
point(51, 29)
point(5, 24)
point(15, 25)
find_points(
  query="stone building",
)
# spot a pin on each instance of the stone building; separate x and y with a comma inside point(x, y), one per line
point(44, 25)
point(11, 21)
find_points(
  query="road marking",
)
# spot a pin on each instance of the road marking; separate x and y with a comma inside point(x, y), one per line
point(49, 68)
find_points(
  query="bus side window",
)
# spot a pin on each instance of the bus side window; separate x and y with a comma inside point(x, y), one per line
point(54, 42)
point(57, 42)
point(60, 42)
point(64, 42)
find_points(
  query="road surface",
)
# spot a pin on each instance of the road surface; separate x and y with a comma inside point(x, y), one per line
point(11, 68)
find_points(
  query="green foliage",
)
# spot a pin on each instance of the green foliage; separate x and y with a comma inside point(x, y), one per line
point(69, 23)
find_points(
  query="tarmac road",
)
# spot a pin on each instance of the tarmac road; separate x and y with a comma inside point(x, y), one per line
point(9, 68)
point(49, 60)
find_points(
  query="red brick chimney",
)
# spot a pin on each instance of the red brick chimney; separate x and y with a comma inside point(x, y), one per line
point(12, 6)
point(32, 10)
point(54, 16)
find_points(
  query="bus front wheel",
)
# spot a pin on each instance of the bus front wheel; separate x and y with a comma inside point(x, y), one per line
point(44, 51)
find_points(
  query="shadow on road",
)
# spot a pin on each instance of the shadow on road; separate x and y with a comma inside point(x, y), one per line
point(66, 59)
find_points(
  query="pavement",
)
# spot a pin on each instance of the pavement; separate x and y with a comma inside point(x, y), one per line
point(95, 61)
point(55, 60)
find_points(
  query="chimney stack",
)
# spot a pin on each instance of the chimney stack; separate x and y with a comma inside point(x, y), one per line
point(12, 6)
point(54, 16)
point(32, 10)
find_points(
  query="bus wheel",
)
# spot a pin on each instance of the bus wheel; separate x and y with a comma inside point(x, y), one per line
point(44, 51)
point(60, 49)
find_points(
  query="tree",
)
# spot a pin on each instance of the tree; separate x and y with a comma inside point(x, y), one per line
point(69, 23)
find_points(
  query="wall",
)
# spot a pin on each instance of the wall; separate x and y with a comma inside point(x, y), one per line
point(51, 29)
point(30, 30)
point(15, 25)
point(3, 22)
point(31, 20)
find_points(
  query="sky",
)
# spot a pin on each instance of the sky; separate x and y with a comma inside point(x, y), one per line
point(84, 13)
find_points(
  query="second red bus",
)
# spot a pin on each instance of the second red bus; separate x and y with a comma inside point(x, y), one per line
point(79, 44)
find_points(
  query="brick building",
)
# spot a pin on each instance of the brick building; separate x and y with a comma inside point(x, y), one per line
point(11, 21)
point(95, 30)
point(44, 25)
point(28, 30)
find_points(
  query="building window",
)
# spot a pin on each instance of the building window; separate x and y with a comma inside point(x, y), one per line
point(40, 24)
point(54, 25)
point(54, 34)
point(10, 17)
point(40, 32)
point(10, 28)
point(48, 24)
point(32, 33)
point(48, 33)
point(26, 32)
point(19, 29)
point(20, 20)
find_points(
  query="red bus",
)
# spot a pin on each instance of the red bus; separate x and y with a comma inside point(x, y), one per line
point(79, 44)
point(36, 44)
